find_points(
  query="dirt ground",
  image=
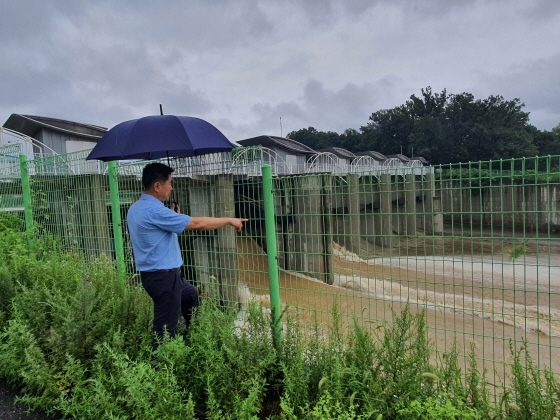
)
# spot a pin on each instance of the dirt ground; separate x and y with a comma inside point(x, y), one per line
point(488, 299)
point(10, 410)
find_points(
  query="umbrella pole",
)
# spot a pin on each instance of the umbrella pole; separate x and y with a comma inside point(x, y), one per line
point(171, 199)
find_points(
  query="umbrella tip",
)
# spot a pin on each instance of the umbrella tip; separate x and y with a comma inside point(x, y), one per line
point(160, 110)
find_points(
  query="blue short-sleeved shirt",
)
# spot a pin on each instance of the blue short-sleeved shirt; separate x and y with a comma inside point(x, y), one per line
point(153, 231)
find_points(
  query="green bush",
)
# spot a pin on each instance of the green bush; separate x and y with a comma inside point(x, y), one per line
point(7, 290)
point(76, 340)
point(119, 387)
point(437, 409)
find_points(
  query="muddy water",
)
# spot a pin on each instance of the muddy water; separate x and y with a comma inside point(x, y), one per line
point(485, 301)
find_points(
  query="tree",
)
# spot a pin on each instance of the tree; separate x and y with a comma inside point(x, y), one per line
point(547, 142)
point(315, 139)
point(444, 128)
point(447, 128)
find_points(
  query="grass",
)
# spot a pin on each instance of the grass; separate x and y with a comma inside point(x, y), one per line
point(517, 251)
point(77, 342)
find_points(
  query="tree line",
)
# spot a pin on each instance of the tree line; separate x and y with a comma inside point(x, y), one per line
point(444, 128)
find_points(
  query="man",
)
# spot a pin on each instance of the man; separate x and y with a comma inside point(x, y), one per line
point(153, 230)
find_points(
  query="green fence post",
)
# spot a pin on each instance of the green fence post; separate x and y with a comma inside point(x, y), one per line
point(270, 226)
point(116, 217)
point(28, 211)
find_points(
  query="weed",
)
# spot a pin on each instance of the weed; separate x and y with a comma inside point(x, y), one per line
point(437, 409)
point(517, 251)
point(7, 290)
point(536, 395)
point(76, 340)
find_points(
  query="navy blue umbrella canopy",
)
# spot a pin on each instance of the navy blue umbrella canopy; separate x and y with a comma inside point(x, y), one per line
point(160, 136)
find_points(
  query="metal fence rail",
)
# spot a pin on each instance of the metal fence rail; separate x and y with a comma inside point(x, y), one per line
point(475, 246)
point(69, 200)
point(11, 197)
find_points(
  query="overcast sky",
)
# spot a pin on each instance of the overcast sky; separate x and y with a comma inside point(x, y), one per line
point(243, 65)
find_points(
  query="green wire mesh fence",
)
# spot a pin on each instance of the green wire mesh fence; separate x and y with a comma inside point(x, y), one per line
point(11, 194)
point(69, 200)
point(474, 246)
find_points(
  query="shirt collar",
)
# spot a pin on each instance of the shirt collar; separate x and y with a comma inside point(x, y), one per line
point(150, 198)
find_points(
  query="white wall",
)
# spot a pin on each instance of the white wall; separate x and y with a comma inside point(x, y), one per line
point(77, 145)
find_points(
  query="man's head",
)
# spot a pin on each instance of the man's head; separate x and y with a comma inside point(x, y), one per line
point(156, 179)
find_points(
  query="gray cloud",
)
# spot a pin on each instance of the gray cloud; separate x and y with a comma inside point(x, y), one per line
point(325, 109)
point(242, 65)
point(542, 10)
point(536, 83)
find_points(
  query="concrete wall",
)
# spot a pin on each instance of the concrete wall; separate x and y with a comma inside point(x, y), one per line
point(212, 254)
point(378, 209)
point(312, 235)
point(370, 216)
point(518, 207)
point(74, 209)
point(303, 225)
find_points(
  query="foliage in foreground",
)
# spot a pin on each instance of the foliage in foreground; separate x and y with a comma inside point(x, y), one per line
point(77, 342)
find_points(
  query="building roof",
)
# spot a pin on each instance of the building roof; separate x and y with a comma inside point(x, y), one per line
point(30, 125)
point(423, 160)
point(339, 152)
point(374, 155)
point(400, 157)
point(285, 143)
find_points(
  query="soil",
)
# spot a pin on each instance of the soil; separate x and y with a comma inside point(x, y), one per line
point(11, 410)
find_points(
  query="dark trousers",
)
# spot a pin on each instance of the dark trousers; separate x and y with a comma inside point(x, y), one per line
point(172, 295)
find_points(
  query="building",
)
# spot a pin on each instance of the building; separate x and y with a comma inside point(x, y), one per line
point(286, 156)
point(48, 136)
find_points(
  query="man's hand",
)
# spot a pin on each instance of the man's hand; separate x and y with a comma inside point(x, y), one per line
point(175, 207)
point(237, 223)
point(211, 223)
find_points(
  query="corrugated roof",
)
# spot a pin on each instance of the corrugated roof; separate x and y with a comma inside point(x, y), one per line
point(30, 125)
point(375, 155)
point(285, 143)
point(398, 156)
point(339, 152)
point(421, 159)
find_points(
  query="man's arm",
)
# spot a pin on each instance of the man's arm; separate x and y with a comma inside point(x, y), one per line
point(211, 223)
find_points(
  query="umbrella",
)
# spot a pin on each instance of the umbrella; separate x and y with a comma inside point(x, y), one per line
point(160, 136)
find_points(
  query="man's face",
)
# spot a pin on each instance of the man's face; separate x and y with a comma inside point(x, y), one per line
point(163, 189)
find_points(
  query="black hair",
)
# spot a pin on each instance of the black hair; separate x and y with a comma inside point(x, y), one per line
point(155, 172)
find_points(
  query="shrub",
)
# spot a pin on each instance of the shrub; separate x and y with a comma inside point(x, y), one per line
point(77, 340)
point(437, 409)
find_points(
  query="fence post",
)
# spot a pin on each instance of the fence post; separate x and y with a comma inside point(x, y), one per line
point(116, 218)
point(270, 226)
point(28, 211)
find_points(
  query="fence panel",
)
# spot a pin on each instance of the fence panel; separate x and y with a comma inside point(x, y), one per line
point(501, 224)
point(474, 246)
point(11, 194)
point(70, 200)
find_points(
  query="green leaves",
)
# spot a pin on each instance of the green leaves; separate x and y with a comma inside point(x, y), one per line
point(444, 128)
point(437, 409)
point(77, 342)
